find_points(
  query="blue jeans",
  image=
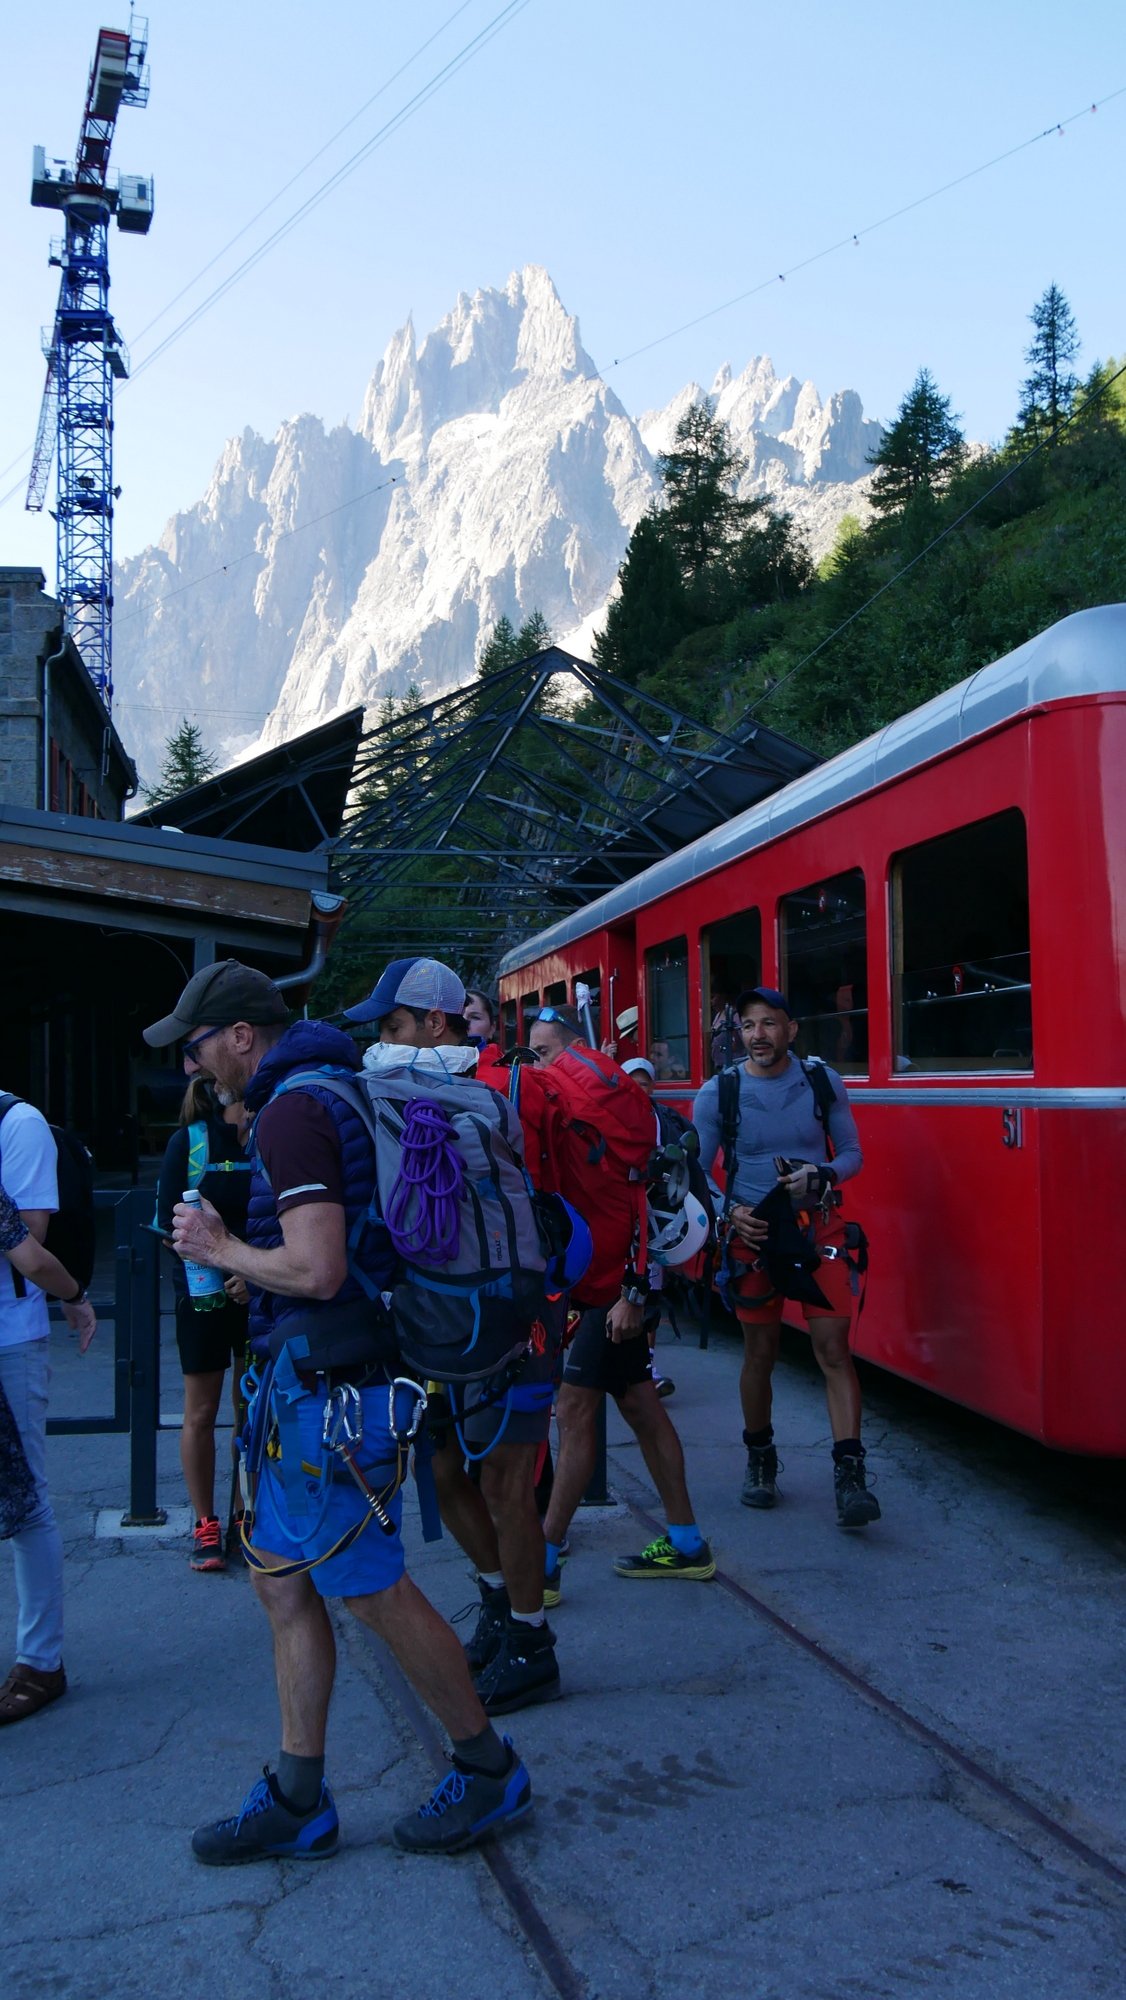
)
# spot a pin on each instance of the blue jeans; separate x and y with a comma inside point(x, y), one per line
point(38, 1548)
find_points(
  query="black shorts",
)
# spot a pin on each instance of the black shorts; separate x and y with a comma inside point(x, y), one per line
point(596, 1362)
point(209, 1341)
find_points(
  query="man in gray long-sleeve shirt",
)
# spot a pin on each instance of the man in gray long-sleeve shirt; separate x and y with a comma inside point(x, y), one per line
point(779, 1120)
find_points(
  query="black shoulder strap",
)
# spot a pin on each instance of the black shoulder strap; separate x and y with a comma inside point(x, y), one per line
point(824, 1097)
point(727, 1085)
point(7, 1099)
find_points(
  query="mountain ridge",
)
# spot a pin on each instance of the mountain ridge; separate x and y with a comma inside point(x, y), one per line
point(492, 471)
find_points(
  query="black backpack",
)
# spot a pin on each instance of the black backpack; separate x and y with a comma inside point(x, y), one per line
point(71, 1230)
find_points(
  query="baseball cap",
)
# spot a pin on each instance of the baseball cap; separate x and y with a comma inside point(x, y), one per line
point(626, 1021)
point(411, 982)
point(770, 997)
point(640, 1062)
point(219, 995)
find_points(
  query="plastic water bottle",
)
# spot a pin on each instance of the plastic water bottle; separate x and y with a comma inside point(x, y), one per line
point(205, 1286)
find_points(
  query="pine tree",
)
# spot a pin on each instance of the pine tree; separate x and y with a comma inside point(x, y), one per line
point(1048, 392)
point(505, 645)
point(922, 450)
point(700, 513)
point(186, 763)
point(650, 614)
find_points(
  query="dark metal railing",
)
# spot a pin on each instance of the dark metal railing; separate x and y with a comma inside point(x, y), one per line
point(134, 1306)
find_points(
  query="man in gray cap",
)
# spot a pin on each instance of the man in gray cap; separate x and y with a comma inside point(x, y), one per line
point(314, 1263)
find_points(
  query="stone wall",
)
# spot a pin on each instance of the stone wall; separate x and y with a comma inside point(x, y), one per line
point(83, 767)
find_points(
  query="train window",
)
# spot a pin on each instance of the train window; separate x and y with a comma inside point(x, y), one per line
point(529, 1008)
point(587, 994)
point(508, 1023)
point(961, 969)
point(730, 961)
point(823, 933)
point(666, 974)
point(555, 995)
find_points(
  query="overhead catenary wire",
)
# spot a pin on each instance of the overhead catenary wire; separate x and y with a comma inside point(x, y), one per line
point(1009, 473)
point(855, 237)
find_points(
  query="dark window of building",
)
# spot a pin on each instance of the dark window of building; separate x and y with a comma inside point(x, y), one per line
point(962, 973)
point(587, 994)
point(529, 1008)
point(666, 974)
point(823, 936)
point(555, 995)
point(730, 961)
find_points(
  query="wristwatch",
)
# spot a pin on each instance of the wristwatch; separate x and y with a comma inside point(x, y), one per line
point(81, 1298)
point(634, 1296)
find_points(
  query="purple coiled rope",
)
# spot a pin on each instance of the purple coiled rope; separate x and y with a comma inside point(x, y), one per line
point(430, 1172)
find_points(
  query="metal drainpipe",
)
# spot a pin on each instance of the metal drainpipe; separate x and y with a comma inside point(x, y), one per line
point(327, 914)
point(45, 775)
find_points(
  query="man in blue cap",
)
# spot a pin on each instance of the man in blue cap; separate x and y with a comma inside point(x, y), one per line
point(322, 1349)
point(418, 1007)
point(789, 1139)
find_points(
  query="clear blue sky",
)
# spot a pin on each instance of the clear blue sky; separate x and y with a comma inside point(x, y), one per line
point(656, 156)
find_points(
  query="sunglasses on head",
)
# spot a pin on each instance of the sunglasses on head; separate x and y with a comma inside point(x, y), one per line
point(550, 1014)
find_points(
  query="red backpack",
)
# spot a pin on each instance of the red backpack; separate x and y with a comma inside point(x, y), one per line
point(598, 1134)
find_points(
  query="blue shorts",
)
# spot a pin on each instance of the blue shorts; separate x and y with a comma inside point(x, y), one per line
point(375, 1560)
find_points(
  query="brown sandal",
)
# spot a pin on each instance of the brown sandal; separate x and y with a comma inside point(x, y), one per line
point(28, 1689)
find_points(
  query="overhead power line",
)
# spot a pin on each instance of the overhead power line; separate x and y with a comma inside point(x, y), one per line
point(964, 516)
point(855, 237)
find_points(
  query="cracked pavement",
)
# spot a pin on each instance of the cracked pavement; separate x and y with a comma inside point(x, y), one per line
point(716, 1811)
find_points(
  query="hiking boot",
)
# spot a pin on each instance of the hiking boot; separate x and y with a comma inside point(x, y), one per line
point(233, 1548)
point(760, 1487)
point(207, 1545)
point(662, 1559)
point(28, 1689)
point(855, 1505)
point(522, 1670)
point(486, 1635)
point(466, 1807)
point(265, 1828)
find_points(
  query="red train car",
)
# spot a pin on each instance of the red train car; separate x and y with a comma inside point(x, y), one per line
point(945, 903)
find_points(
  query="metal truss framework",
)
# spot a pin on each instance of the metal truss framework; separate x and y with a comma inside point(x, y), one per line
point(482, 815)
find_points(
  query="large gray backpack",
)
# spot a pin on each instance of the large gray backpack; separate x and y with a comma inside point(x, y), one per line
point(452, 1190)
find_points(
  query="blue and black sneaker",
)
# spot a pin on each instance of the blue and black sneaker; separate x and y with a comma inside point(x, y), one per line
point(466, 1807)
point(266, 1829)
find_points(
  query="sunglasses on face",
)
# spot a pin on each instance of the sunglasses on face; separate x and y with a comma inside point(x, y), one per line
point(191, 1049)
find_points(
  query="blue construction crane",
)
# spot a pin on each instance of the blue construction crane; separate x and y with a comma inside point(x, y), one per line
point(84, 350)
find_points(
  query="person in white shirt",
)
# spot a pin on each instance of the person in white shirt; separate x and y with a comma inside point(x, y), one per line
point(28, 1173)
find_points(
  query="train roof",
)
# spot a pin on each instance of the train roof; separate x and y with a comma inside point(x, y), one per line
point(1084, 654)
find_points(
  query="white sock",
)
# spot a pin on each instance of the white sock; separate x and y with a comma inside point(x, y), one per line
point(530, 1617)
point(492, 1578)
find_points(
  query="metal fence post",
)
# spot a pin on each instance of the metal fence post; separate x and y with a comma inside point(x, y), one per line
point(140, 1267)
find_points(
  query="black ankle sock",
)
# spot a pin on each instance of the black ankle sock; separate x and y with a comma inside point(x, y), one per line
point(756, 1440)
point(485, 1753)
point(847, 1448)
point(299, 1781)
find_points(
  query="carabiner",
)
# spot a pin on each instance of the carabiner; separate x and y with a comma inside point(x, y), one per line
point(343, 1422)
point(416, 1389)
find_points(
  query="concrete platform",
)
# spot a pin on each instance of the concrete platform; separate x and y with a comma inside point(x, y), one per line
point(870, 1765)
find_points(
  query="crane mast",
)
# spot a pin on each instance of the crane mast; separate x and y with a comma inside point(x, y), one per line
point(84, 350)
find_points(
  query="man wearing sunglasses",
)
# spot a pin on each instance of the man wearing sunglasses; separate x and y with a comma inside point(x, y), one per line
point(316, 1265)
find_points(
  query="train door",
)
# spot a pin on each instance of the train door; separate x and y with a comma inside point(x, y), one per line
point(730, 961)
point(952, 1146)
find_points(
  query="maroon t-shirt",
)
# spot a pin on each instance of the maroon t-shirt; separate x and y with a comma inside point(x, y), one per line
point(299, 1145)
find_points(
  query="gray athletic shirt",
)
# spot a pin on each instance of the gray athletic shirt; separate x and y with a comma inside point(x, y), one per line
point(777, 1115)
